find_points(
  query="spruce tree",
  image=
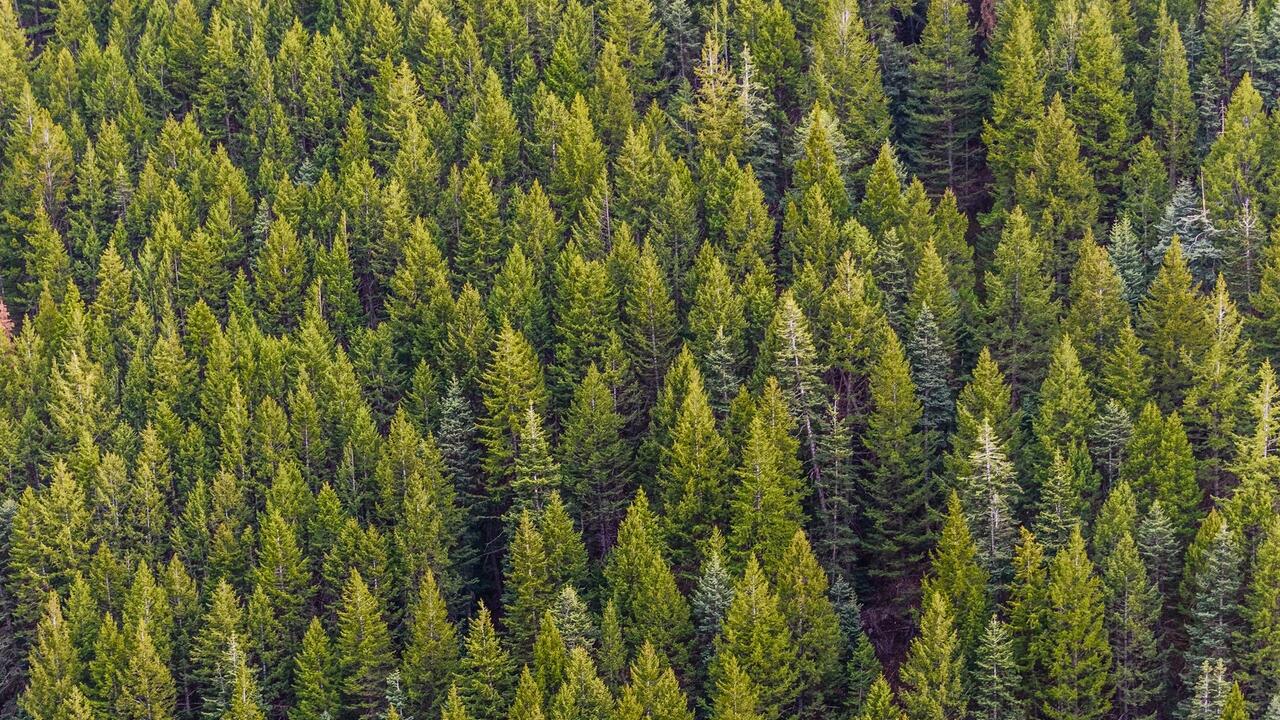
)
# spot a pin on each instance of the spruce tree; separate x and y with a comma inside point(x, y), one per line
point(944, 103)
point(931, 675)
point(1079, 658)
point(755, 640)
point(363, 648)
point(995, 675)
point(1102, 110)
point(898, 492)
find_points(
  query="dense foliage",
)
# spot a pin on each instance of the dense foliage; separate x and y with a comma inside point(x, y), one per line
point(639, 359)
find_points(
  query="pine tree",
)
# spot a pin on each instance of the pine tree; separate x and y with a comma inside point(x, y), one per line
point(931, 675)
point(880, 704)
point(513, 384)
point(764, 512)
point(1261, 645)
point(527, 584)
point(1210, 690)
point(1067, 407)
point(1097, 308)
point(1266, 301)
point(989, 492)
point(1230, 181)
point(944, 103)
point(596, 460)
point(1028, 607)
point(931, 373)
point(1125, 376)
point(792, 358)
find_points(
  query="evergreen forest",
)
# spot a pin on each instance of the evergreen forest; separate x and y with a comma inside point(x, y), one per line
point(639, 360)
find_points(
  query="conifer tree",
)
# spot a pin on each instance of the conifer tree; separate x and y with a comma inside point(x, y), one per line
point(711, 598)
point(1016, 103)
point(756, 641)
point(1079, 659)
point(989, 492)
point(898, 491)
point(363, 648)
point(1171, 324)
point(1098, 103)
point(944, 103)
point(1262, 614)
point(955, 574)
point(1214, 403)
point(1097, 310)
point(643, 588)
point(846, 73)
point(736, 696)
point(54, 665)
point(1133, 614)
point(815, 628)
point(146, 690)
point(1057, 189)
point(1020, 311)
point(931, 675)
point(485, 676)
point(1173, 110)
point(1213, 583)
point(995, 675)
point(315, 674)
point(653, 691)
point(691, 474)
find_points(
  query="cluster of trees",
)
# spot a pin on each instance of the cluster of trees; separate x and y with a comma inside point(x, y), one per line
point(636, 359)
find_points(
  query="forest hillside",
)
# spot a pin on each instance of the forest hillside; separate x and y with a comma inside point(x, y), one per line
point(639, 360)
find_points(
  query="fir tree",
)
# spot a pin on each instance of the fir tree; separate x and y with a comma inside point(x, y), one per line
point(485, 678)
point(897, 490)
point(756, 641)
point(995, 675)
point(363, 648)
point(931, 675)
point(944, 103)
point(1079, 658)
